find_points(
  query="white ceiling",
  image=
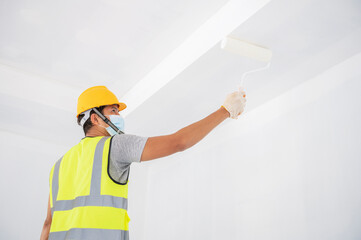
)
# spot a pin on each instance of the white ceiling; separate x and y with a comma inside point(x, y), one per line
point(92, 42)
point(65, 47)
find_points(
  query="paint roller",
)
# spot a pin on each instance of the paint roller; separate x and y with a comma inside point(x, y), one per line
point(250, 50)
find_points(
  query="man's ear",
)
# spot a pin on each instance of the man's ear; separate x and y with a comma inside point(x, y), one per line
point(95, 119)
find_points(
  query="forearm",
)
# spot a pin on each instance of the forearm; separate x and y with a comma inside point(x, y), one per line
point(195, 132)
point(45, 231)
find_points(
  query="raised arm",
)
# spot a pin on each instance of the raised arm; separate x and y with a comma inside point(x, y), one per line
point(161, 146)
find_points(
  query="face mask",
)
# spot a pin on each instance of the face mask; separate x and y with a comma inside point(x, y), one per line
point(118, 121)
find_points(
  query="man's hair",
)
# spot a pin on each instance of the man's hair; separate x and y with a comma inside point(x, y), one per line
point(88, 124)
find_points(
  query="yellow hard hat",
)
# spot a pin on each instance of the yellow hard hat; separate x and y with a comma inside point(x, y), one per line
point(95, 97)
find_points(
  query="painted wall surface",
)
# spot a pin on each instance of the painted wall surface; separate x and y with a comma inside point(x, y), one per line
point(24, 182)
point(287, 170)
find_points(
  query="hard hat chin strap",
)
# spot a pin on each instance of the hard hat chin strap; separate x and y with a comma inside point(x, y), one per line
point(107, 121)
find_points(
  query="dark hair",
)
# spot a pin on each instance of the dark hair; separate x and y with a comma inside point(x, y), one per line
point(88, 124)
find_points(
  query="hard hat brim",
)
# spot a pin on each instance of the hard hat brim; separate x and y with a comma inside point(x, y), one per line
point(95, 97)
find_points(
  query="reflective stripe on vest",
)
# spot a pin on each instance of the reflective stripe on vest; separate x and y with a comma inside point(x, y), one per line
point(90, 234)
point(102, 212)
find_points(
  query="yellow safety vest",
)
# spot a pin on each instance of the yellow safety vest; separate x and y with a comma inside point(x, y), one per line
point(85, 202)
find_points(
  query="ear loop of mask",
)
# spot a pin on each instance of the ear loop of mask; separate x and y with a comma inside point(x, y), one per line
point(107, 121)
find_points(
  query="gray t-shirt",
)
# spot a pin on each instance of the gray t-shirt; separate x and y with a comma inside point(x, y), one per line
point(124, 149)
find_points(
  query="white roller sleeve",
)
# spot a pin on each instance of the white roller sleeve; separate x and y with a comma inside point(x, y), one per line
point(246, 49)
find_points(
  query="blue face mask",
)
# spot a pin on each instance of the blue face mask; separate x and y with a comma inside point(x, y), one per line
point(118, 121)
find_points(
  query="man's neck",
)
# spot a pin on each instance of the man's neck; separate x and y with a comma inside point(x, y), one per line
point(96, 132)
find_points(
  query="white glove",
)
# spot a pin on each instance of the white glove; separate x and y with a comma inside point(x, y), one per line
point(235, 103)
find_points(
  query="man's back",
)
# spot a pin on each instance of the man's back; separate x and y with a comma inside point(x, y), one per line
point(86, 203)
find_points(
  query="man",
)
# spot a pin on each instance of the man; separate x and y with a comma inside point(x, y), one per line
point(89, 185)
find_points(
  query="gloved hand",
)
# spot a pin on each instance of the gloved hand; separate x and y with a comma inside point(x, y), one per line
point(235, 103)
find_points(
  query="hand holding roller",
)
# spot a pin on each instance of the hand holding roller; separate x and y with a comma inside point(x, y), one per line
point(235, 103)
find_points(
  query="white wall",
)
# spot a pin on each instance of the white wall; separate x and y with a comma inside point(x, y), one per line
point(24, 184)
point(289, 169)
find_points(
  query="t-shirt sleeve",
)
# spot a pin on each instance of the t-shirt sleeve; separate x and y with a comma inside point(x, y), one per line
point(124, 149)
